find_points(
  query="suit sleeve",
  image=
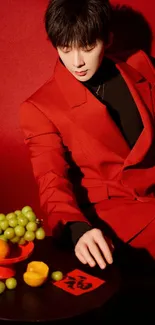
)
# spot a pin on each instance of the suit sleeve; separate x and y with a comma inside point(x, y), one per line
point(50, 169)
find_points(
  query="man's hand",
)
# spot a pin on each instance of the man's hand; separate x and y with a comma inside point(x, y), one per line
point(92, 248)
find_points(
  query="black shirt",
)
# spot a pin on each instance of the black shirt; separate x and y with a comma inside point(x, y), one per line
point(115, 94)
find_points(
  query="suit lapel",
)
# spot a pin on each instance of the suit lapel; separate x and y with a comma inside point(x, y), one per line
point(72, 90)
point(90, 114)
point(140, 90)
point(93, 117)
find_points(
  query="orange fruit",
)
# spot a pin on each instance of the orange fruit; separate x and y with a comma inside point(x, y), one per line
point(38, 267)
point(4, 249)
point(33, 279)
point(36, 273)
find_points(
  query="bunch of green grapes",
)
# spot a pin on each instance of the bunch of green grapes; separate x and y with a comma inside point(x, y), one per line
point(21, 226)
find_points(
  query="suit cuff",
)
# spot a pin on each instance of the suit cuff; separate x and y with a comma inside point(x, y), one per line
point(77, 229)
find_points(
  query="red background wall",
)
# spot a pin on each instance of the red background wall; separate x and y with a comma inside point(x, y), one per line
point(26, 62)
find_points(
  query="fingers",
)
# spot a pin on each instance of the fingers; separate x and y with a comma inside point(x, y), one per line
point(84, 252)
point(101, 242)
point(81, 257)
point(96, 254)
point(90, 248)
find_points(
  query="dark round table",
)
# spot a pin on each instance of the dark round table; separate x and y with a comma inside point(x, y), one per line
point(49, 303)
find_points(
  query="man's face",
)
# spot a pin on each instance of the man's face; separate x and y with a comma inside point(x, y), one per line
point(82, 62)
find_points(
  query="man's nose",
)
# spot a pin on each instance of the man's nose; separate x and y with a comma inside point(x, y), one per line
point(78, 60)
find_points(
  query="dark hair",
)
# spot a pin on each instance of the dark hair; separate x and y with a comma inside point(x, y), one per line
point(79, 22)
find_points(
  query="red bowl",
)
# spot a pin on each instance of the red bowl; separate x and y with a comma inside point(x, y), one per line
point(18, 253)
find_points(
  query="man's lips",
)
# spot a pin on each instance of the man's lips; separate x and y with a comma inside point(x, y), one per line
point(82, 73)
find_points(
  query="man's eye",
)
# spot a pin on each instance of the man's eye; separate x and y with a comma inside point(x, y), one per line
point(65, 49)
point(88, 49)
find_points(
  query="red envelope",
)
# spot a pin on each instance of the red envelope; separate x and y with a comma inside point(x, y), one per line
point(78, 282)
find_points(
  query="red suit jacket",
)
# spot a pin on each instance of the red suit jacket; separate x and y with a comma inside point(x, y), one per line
point(120, 182)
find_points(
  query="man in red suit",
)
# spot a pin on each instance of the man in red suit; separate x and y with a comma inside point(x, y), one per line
point(95, 119)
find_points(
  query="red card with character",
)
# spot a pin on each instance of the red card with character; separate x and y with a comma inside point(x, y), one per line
point(78, 282)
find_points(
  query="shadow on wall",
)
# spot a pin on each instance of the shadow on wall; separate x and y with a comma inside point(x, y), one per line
point(132, 32)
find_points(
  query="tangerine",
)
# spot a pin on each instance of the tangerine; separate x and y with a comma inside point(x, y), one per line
point(36, 273)
point(4, 249)
point(33, 279)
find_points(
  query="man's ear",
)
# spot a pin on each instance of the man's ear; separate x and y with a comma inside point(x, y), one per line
point(110, 41)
